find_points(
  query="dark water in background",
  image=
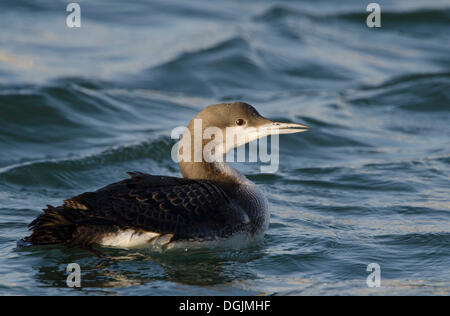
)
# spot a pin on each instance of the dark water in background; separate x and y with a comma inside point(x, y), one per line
point(368, 183)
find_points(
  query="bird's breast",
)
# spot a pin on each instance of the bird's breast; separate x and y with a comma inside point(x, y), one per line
point(255, 204)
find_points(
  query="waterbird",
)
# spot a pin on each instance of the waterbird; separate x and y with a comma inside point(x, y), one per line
point(212, 202)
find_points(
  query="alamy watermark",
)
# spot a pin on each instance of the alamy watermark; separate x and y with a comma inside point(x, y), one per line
point(374, 18)
point(74, 277)
point(374, 278)
point(74, 18)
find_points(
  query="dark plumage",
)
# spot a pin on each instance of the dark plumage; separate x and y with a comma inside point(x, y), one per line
point(188, 209)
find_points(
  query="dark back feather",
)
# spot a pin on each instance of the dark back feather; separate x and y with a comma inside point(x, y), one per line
point(167, 205)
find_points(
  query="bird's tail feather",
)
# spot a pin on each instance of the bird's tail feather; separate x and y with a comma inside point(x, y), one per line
point(51, 227)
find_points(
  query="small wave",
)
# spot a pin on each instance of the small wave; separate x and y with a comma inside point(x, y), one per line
point(445, 160)
point(279, 12)
point(355, 183)
point(346, 178)
point(31, 6)
point(232, 64)
point(413, 92)
point(319, 171)
point(405, 79)
point(186, 67)
point(50, 114)
point(411, 18)
point(389, 18)
point(431, 239)
point(68, 173)
point(328, 139)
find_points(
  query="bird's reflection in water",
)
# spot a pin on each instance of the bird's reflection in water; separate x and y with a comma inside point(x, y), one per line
point(124, 268)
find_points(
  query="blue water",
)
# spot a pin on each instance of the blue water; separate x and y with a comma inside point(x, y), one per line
point(369, 183)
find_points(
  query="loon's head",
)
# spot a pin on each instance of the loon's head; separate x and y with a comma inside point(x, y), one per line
point(220, 128)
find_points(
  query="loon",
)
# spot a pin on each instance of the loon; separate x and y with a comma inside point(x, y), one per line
point(212, 201)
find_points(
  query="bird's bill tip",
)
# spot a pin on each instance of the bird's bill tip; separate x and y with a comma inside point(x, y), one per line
point(285, 128)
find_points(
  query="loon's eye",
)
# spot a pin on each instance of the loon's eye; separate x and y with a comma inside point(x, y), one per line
point(240, 122)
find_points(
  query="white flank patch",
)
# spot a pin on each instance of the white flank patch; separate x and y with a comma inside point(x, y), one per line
point(153, 241)
point(129, 239)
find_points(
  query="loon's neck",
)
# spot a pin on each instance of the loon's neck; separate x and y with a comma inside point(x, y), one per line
point(199, 164)
point(216, 171)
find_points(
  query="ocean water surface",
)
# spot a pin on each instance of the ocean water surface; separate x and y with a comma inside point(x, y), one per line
point(369, 183)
